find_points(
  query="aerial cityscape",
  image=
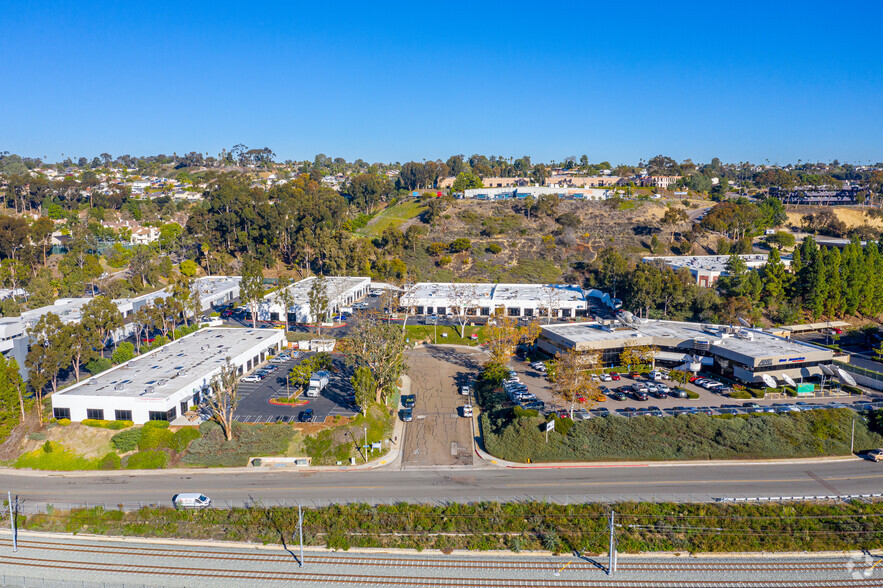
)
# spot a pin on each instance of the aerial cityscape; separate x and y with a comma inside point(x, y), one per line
point(397, 295)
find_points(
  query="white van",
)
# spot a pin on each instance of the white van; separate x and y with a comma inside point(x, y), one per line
point(191, 500)
point(655, 375)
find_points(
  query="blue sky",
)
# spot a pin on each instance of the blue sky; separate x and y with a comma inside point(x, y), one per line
point(777, 81)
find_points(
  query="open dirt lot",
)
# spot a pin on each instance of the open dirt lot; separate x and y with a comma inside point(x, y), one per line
point(439, 435)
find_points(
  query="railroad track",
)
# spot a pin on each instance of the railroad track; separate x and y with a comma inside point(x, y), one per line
point(389, 561)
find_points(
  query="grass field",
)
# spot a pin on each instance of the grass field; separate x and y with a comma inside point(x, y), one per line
point(449, 335)
point(58, 459)
point(391, 217)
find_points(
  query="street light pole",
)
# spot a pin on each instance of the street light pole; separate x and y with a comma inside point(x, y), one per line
point(366, 445)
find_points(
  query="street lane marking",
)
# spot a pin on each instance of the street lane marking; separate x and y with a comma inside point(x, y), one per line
point(670, 482)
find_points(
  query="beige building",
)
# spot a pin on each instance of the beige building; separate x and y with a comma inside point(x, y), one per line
point(659, 181)
point(581, 181)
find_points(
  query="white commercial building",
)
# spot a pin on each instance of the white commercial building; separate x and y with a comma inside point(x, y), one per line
point(164, 383)
point(707, 269)
point(744, 354)
point(556, 300)
point(536, 191)
point(341, 292)
point(15, 342)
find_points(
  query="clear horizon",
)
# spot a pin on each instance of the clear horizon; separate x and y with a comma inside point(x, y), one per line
point(767, 84)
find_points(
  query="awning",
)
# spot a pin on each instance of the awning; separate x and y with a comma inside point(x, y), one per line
point(671, 356)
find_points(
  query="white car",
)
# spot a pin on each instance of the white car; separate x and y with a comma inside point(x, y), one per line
point(251, 378)
point(467, 410)
point(465, 390)
point(663, 388)
point(606, 378)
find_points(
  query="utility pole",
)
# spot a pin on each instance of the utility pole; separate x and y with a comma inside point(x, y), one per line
point(12, 512)
point(366, 444)
point(300, 531)
point(611, 551)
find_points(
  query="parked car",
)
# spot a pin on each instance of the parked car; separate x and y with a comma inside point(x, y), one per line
point(251, 378)
point(563, 414)
point(875, 454)
point(606, 378)
point(306, 416)
point(466, 410)
point(406, 415)
point(617, 395)
point(465, 390)
point(642, 396)
point(615, 377)
point(408, 400)
point(602, 411)
point(581, 414)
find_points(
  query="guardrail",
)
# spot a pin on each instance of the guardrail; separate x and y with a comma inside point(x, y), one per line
point(837, 498)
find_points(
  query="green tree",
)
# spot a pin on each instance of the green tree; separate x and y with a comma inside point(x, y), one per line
point(82, 343)
point(379, 346)
point(251, 288)
point(188, 267)
point(299, 376)
point(317, 298)
point(48, 355)
point(365, 387)
point(285, 297)
point(124, 352)
point(12, 388)
point(466, 181)
point(102, 317)
point(775, 279)
point(224, 398)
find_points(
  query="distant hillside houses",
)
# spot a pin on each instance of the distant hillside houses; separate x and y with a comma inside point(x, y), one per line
point(818, 195)
point(536, 191)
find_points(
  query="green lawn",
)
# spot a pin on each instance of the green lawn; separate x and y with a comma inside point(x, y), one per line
point(419, 332)
point(391, 217)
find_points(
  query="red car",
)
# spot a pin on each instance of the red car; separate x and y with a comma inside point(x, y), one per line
point(635, 375)
point(694, 378)
point(615, 377)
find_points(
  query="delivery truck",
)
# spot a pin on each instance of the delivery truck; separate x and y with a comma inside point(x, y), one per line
point(318, 381)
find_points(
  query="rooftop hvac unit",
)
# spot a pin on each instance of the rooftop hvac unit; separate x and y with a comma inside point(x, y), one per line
point(149, 389)
point(161, 383)
point(182, 372)
point(118, 387)
point(204, 348)
point(701, 345)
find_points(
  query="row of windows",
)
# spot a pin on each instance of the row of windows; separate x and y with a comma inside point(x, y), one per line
point(118, 415)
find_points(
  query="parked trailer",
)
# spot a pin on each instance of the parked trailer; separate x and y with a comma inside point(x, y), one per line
point(318, 381)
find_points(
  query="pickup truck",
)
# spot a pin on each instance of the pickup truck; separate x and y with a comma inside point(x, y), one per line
point(318, 381)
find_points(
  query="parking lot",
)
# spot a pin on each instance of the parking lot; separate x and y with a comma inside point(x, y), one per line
point(254, 405)
point(438, 433)
point(708, 402)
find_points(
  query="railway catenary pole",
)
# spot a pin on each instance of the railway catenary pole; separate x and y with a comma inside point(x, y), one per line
point(611, 551)
point(12, 510)
point(300, 531)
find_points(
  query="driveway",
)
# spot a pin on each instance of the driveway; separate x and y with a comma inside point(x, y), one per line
point(439, 435)
point(254, 405)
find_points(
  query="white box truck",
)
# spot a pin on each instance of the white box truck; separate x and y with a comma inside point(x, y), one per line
point(318, 381)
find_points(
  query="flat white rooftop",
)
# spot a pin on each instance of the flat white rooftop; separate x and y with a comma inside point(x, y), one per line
point(710, 263)
point(166, 370)
point(759, 345)
point(482, 293)
point(335, 287)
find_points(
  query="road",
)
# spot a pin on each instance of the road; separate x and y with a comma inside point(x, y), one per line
point(648, 481)
point(57, 560)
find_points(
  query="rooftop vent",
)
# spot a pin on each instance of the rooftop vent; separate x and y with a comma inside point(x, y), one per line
point(118, 387)
point(149, 389)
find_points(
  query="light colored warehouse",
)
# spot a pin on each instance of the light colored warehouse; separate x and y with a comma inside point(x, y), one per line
point(707, 269)
point(164, 383)
point(341, 292)
point(744, 353)
point(516, 300)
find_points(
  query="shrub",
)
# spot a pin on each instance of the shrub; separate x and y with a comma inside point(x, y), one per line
point(446, 260)
point(740, 394)
point(111, 461)
point(124, 352)
point(127, 440)
point(112, 425)
point(98, 365)
point(692, 395)
point(181, 440)
point(156, 425)
point(519, 412)
point(47, 447)
point(494, 248)
point(64, 422)
point(459, 245)
point(147, 460)
point(155, 438)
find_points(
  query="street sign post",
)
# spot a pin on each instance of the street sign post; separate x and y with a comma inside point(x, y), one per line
point(550, 426)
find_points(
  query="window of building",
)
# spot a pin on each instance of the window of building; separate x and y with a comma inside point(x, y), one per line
point(155, 415)
point(123, 415)
point(95, 414)
point(61, 413)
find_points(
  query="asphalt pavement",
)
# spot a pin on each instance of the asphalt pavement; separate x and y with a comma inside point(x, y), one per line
point(254, 405)
point(604, 482)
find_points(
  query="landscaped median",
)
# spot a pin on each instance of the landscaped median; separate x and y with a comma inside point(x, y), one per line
point(791, 526)
point(517, 435)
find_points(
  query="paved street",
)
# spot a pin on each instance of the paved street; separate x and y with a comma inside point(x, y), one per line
point(601, 482)
point(439, 435)
point(61, 559)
